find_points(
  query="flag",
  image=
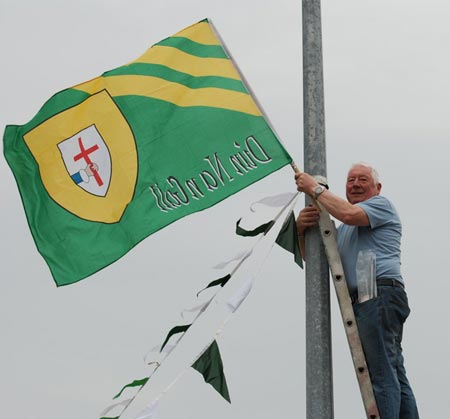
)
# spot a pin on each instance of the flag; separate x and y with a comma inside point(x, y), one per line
point(108, 162)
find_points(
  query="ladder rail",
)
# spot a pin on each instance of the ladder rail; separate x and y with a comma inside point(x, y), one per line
point(328, 234)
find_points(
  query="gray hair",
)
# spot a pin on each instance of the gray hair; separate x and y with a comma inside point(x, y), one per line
point(373, 171)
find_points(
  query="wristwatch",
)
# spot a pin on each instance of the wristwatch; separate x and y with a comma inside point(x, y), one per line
point(319, 189)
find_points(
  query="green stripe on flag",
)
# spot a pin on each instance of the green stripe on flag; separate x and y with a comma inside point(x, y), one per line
point(194, 48)
point(166, 73)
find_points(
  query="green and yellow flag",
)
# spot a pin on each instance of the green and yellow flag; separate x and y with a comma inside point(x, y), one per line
point(106, 163)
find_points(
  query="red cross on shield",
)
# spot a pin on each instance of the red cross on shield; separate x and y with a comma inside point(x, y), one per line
point(87, 160)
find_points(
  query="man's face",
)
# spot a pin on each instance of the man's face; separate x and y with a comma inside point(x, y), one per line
point(360, 185)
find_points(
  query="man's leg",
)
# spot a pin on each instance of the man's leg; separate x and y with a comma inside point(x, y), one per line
point(371, 319)
point(398, 310)
point(408, 407)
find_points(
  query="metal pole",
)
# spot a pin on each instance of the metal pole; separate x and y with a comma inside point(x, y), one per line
point(319, 379)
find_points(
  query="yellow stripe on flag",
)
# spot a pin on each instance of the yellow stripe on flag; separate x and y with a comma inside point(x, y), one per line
point(200, 32)
point(186, 63)
point(175, 93)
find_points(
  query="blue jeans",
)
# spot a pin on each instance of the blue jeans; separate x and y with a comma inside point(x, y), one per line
point(380, 325)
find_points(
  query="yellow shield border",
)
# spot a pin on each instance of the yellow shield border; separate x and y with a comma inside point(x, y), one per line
point(99, 110)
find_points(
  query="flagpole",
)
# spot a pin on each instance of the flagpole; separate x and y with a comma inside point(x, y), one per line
point(319, 379)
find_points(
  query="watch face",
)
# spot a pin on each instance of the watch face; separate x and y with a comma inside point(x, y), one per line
point(318, 191)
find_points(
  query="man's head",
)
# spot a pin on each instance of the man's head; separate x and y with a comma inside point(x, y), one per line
point(362, 183)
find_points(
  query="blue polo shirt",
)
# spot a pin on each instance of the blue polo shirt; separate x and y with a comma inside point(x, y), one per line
point(383, 236)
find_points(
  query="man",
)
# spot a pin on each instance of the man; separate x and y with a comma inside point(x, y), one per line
point(370, 222)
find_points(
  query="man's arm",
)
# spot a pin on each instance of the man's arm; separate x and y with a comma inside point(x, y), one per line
point(339, 208)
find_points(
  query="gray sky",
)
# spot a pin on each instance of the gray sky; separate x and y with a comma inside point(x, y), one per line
point(65, 352)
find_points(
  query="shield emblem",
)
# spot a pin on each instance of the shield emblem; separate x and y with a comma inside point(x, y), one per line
point(87, 159)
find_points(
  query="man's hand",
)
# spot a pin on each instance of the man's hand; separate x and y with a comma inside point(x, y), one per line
point(308, 217)
point(305, 183)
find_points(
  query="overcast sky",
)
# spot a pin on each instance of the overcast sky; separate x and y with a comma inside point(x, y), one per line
point(65, 352)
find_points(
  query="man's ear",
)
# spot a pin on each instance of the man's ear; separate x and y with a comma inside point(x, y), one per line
point(379, 187)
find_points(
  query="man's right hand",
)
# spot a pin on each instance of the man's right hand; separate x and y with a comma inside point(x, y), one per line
point(308, 217)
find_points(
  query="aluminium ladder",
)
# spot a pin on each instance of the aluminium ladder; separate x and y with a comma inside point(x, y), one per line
point(328, 234)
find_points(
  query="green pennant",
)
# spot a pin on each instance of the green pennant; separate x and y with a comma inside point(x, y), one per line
point(175, 330)
point(135, 383)
point(210, 366)
point(221, 281)
point(288, 239)
point(263, 228)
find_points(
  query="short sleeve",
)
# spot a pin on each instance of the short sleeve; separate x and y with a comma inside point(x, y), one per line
point(379, 210)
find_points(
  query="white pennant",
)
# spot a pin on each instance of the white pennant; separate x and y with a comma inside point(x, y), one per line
point(239, 256)
point(150, 411)
point(276, 201)
point(122, 404)
point(234, 302)
point(197, 309)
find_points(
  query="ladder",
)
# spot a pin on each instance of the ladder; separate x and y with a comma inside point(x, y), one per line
point(328, 234)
